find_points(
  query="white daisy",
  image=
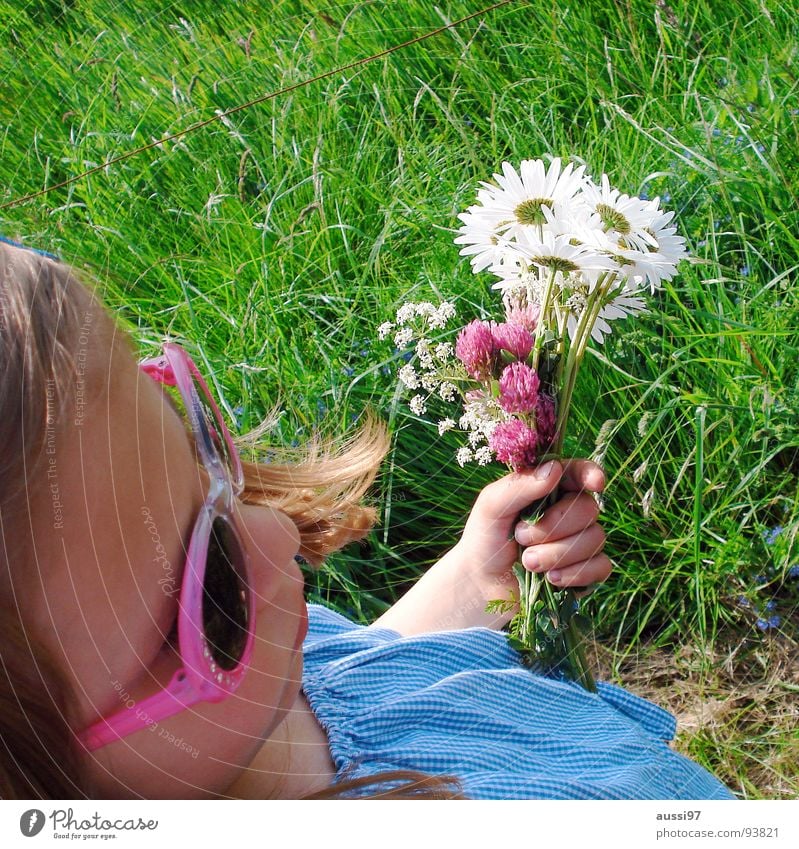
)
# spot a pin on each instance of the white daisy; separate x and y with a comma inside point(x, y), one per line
point(572, 219)
point(618, 214)
point(634, 266)
point(668, 243)
point(620, 307)
point(515, 274)
point(513, 204)
point(520, 197)
point(480, 235)
point(556, 253)
point(652, 258)
point(642, 268)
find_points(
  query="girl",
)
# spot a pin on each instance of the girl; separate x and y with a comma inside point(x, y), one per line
point(153, 619)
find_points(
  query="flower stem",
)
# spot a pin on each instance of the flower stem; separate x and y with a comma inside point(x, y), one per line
point(561, 645)
point(543, 322)
point(577, 350)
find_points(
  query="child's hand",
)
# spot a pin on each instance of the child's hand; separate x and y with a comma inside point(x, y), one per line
point(565, 543)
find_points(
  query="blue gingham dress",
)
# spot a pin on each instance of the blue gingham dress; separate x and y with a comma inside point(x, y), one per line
point(460, 703)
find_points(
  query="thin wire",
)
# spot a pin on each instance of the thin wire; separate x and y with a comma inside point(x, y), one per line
point(270, 96)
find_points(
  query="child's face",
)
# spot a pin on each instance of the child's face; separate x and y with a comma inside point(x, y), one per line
point(129, 492)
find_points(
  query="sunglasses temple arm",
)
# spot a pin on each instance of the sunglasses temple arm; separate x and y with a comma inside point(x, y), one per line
point(177, 696)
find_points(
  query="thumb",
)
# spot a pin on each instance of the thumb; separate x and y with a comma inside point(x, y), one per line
point(498, 505)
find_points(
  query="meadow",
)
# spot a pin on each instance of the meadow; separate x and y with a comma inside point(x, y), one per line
point(274, 241)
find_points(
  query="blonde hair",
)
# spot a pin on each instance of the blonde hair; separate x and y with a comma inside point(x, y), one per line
point(323, 490)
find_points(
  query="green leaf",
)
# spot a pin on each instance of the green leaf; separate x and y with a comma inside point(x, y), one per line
point(500, 605)
point(517, 645)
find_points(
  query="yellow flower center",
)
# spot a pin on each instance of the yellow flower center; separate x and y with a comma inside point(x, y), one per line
point(613, 219)
point(556, 263)
point(529, 211)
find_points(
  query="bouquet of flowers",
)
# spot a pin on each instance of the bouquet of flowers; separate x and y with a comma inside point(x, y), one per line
point(569, 257)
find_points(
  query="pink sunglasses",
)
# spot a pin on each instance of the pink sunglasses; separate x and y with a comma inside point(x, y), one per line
point(216, 609)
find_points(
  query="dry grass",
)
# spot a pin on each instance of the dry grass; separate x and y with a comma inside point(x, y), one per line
point(737, 705)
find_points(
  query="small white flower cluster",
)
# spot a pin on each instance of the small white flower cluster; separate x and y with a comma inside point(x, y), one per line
point(434, 371)
point(556, 222)
point(433, 318)
point(407, 374)
point(481, 414)
point(482, 455)
point(418, 406)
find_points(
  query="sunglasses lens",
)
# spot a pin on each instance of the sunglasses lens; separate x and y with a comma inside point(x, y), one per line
point(225, 596)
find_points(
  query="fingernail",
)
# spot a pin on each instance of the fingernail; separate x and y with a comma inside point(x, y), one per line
point(543, 472)
point(531, 563)
point(554, 576)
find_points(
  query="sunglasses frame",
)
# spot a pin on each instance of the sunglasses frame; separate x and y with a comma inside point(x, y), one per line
point(200, 679)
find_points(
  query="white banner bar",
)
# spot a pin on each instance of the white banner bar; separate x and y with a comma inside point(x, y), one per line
point(387, 824)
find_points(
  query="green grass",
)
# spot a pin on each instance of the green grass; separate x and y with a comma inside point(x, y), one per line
point(278, 240)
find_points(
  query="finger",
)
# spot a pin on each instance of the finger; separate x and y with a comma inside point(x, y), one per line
point(503, 500)
point(582, 475)
point(593, 571)
point(572, 514)
point(564, 553)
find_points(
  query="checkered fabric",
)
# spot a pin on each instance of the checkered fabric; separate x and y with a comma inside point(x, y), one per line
point(460, 703)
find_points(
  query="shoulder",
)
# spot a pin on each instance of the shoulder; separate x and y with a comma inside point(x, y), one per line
point(323, 622)
point(331, 636)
